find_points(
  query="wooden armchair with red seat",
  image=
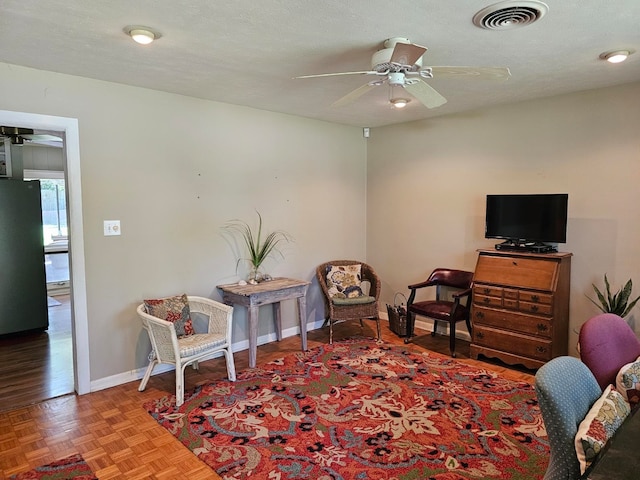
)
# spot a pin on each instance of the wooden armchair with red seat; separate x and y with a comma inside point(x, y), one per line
point(441, 309)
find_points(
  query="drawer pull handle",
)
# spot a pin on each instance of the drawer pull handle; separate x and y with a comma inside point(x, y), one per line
point(542, 327)
point(535, 298)
point(480, 335)
point(487, 291)
point(541, 349)
point(534, 308)
point(486, 300)
point(479, 315)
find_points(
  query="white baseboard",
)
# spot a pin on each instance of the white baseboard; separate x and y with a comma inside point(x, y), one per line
point(134, 375)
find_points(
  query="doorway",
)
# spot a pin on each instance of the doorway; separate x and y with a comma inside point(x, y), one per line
point(47, 355)
point(68, 127)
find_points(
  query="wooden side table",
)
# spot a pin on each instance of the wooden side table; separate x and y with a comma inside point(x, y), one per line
point(265, 293)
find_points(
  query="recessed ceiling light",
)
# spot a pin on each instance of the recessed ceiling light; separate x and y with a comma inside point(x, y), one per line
point(616, 56)
point(141, 35)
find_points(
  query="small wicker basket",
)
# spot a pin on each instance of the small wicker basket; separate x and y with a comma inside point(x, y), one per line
point(398, 316)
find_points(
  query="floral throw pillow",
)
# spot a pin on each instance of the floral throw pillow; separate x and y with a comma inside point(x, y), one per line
point(602, 421)
point(343, 281)
point(172, 309)
point(628, 382)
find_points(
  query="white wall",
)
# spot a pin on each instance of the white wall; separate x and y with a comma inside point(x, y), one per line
point(173, 169)
point(427, 183)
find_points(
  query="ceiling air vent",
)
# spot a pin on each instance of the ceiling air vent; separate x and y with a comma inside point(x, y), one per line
point(510, 14)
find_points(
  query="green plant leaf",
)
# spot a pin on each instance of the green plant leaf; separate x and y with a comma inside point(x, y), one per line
point(604, 305)
point(257, 249)
point(617, 303)
point(631, 305)
point(610, 299)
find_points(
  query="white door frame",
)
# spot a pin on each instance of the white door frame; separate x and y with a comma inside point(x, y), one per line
point(80, 322)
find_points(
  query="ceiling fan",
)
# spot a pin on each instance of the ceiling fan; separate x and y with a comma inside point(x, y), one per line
point(399, 64)
point(20, 136)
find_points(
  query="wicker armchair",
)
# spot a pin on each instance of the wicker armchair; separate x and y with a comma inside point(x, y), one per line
point(341, 310)
point(188, 350)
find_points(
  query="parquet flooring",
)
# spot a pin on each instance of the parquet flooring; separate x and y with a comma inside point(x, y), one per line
point(119, 440)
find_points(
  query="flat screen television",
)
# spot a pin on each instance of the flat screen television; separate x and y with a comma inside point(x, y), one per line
point(523, 219)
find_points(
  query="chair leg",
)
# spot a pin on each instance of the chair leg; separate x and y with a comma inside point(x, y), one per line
point(452, 338)
point(435, 328)
point(411, 319)
point(469, 327)
point(378, 327)
point(147, 374)
point(231, 367)
point(180, 384)
point(330, 332)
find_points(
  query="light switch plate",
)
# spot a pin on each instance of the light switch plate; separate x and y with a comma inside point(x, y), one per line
point(111, 227)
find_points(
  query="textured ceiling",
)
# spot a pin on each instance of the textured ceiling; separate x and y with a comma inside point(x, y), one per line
point(246, 52)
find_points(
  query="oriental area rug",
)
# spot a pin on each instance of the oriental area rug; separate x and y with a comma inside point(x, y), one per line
point(361, 410)
point(73, 467)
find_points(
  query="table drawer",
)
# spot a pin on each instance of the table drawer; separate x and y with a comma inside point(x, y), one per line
point(527, 346)
point(517, 322)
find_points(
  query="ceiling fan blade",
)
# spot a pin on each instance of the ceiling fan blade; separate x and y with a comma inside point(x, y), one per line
point(485, 73)
point(353, 95)
point(368, 72)
point(406, 53)
point(43, 139)
point(424, 92)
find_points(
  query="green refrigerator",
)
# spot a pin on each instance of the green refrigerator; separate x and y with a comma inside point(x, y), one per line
point(23, 286)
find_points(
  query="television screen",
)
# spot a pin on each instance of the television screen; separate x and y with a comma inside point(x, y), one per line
point(527, 218)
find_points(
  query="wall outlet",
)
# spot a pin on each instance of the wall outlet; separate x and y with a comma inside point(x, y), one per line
point(111, 227)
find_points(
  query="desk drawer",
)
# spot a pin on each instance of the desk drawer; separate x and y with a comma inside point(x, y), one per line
point(515, 343)
point(487, 300)
point(535, 308)
point(517, 322)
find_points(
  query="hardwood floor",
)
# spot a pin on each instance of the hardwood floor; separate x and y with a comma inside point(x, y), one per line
point(38, 366)
point(118, 439)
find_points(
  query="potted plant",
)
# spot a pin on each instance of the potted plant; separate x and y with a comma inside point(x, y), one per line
point(259, 248)
point(617, 303)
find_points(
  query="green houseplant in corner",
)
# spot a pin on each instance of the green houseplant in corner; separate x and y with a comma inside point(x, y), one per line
point(617, 303)
point(259, 248)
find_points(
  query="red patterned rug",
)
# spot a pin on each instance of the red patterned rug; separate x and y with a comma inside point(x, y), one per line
point(359, 410)
point(71, 467)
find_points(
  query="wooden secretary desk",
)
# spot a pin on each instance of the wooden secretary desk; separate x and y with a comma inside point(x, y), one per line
point(520, 306)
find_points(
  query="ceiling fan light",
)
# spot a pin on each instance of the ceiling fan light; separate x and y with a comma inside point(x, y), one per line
point(142, 35)
point(399, 102)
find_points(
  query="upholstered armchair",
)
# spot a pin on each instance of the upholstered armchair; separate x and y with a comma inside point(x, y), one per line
point(346, 300)
point(607, 343)
point(566, 390)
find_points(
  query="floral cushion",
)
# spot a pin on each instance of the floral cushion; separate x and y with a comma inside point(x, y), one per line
point(172, 309)
point(628, 382)
point(602, 421)
point(343, 281)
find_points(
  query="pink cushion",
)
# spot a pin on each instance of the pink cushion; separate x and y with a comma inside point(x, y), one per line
point(607, 343)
